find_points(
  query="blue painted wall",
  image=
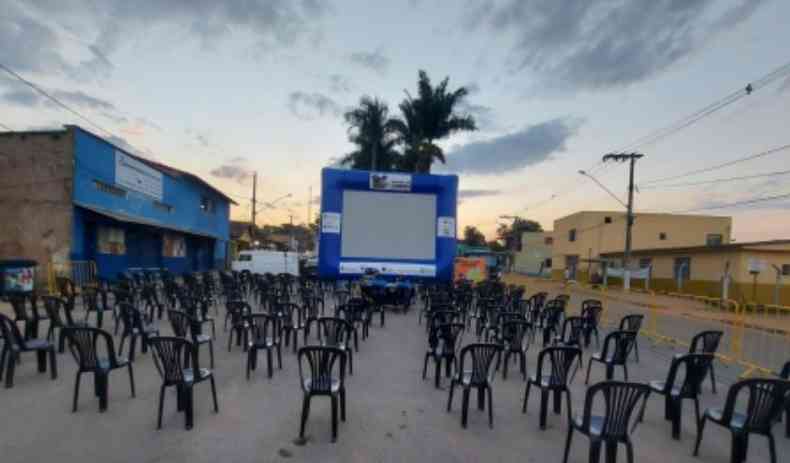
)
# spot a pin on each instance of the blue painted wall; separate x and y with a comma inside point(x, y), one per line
point(94, 159)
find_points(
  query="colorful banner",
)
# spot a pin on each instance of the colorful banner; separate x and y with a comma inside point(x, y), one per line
point(471, 268)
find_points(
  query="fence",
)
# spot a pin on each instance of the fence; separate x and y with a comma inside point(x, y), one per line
point(81, 272)
point(756, 337)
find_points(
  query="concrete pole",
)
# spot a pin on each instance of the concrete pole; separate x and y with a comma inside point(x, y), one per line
point(629, 222)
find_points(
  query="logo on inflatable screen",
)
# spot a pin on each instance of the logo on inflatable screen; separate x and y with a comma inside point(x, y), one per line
point(388, 268)
point(390, 182)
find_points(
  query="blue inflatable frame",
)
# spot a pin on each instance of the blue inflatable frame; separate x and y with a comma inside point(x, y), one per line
point(334, 181)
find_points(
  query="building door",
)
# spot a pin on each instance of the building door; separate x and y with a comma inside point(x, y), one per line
point(571, 265)
point(144, 248)
point(682, 270)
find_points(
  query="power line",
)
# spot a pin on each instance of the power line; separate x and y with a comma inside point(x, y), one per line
point(718, 180)
point(718, 166)
point(53, 99)
point(737, 203)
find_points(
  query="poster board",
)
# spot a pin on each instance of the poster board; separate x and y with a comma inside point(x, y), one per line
point(471, 269)
point(393, 224)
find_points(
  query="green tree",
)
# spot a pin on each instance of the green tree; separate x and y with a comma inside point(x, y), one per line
point(511, 234)
point(473, 236)
point(431, 116)
point(496, 246)
point(374, 134)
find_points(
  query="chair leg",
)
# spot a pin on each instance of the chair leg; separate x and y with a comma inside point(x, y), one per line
point(504, 369)
point(589, 365)
point(53, 363)
point(677, 410)
point(595, 451)
point(526, 398)
point(437, 377)
point(76, 392)
point(490, 407)
point(481, 399)
point(568, 444)
point(250, 354)
point(3, 356)
point(211, 353)
point(9, 374)
point(772, 447)
point(350, 361)
point(305, 414)
point(279, 357)
point(629, 449)
point(609, 372)
point(269, 362)
point(712, 378)
point(625, 371)
point(636, 348)
point(787, 420)
point(523, 364)
point(214, 394)
point(189, 407)
point(161, 406)
point(611, 452)
point(103, 380)
point(450, 396)
point(544, 407)
point(334, 418)
point(343, 405)
point(568, 406)
point(700, 431)
point(557, 402)
point(41, 357)
point(131, 379)
point(464, 406)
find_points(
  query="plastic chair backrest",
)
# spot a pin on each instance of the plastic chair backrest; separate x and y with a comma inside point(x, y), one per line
point(322, 361)
point(617, 346)
point(561, 360)
point(572, 330)
point(11, 332)
point(334, 331)
point(482, 356)
point(263, 328)
point(767, 399)
point(696, 367)
point(632, 322)
point(620, 401)
point(706, 342)
point(83, 343)
point(169, 354)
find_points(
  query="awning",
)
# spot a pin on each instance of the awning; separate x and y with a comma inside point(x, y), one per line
point(141, 221)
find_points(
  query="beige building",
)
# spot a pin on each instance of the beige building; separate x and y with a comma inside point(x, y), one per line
point(534, 257)
point(581, 238)
point(756, 270)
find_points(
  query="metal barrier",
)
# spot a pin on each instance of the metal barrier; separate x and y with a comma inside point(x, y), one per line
point(81, 272)
point(756, 336)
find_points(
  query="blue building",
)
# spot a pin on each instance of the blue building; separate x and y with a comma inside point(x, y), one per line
point(90, 200)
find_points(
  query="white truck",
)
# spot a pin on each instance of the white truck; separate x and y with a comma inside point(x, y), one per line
point(262, 261)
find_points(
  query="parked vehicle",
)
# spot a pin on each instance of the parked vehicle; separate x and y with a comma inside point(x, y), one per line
point(264, 261)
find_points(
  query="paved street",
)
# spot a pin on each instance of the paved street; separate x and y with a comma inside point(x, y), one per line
point(392, 414)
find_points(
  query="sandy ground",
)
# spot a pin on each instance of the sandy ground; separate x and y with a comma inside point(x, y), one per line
point(393, 415)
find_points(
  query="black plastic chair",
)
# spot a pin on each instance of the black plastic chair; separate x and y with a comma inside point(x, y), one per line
point(707, 342)
point(572, 332)
point(443, 344)
point(326, 378)
point(766, 400)
point(558, 362)
point(133, 327)
point(264, 334)
point(15, 344)
point(59, 318)
point(617, 346)
point(84, 345)
point(633, 323)
point(96, 301)
point(612, 428)
point(237, 313)
point(169, 354)
point(188, 327)
point(516, 338)
point(550, 321)
point(592, 309)
point(695, 367)
point(480, 375)
point(337, 332)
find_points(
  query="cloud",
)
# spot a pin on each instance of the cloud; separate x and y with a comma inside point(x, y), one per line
point(39, 48)
point(375, 61)
point(23, 96)
point(339, 84)
point(125, 145)
point(484, 115)
point(234, 169)
point(579, 44)
point(531, 145)
point(309, 106)
point(468, 194)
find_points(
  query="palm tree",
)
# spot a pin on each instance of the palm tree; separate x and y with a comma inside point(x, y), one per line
point(428, 118)
point(373, 132)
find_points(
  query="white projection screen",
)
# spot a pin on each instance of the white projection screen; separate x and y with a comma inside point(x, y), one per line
point(388, 225)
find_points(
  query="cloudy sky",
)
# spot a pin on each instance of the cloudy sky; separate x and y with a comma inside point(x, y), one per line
point(226, 88)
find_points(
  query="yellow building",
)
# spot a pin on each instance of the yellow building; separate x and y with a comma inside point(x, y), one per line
point(581, 238)
point(756, 270)
point(534, 257)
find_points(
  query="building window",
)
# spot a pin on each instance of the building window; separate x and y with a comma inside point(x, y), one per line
point(206, 205)
point(682, 268)
point(548, 263)
point(548, 241)
point(163, 206)
point(645, 262)
point(111, 240)
point(607, 219)
point(572, 235)
point(173, 245)
point(662, 236)
point(714, 239)
point(109, 189)
point(785, 269)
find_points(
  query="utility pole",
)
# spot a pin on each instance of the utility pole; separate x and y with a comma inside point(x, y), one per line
point(629, 218)
point(291, 234)
point(254, 205)
point(373, 157)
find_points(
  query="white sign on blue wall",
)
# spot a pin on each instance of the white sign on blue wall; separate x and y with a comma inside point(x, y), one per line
point(135, 175)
